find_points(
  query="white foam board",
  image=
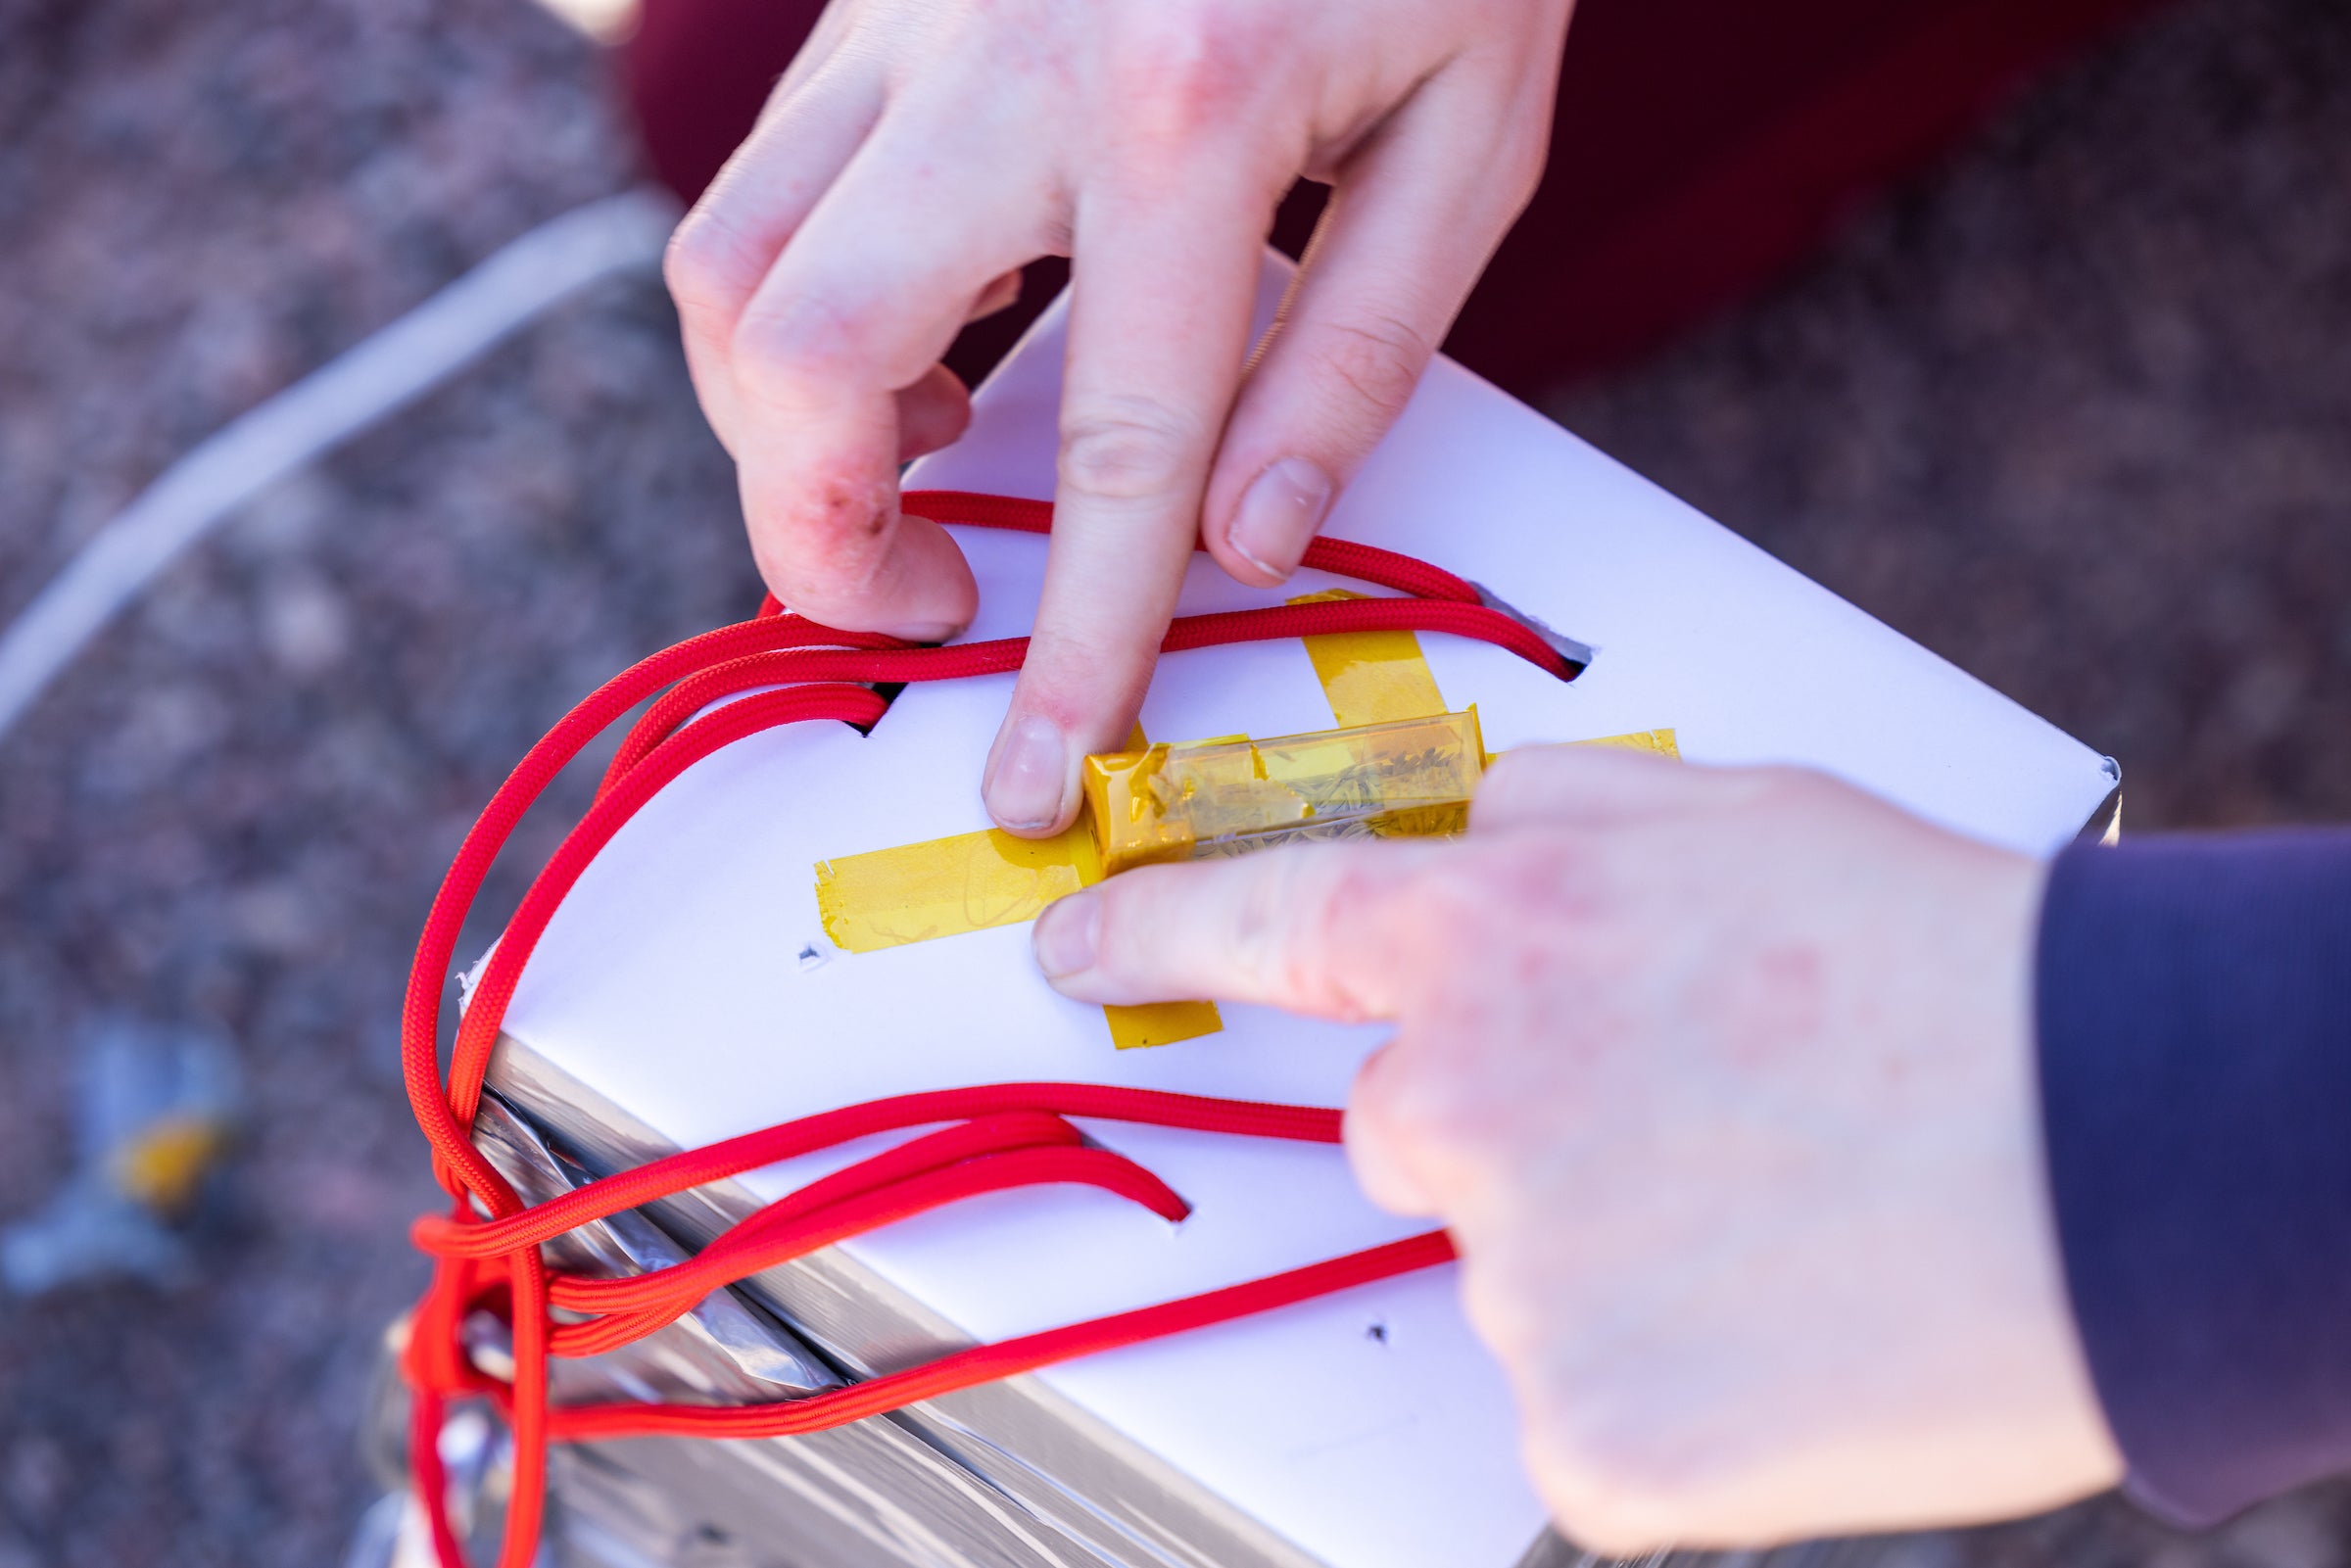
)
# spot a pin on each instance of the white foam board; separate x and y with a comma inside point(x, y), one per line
point(669, 982)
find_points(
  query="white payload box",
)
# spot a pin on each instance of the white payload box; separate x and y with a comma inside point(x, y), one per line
point(689, 991)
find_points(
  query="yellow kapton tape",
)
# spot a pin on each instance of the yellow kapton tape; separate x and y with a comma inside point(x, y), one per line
point(1160, 1023)
point(1132, 1029)
point(1659, 742)
point(1371, 677)
point(970, 882)
point(1374, 677)
point(973, 882)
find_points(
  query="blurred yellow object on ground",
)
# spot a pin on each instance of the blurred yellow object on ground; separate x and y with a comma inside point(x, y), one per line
point(162, 1166)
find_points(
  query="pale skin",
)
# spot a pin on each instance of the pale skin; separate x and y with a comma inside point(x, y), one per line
point(1722, 1082)
point(919, 152)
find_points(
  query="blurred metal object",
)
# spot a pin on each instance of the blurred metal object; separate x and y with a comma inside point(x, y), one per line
point(381, 374)
point(1007, 1475)
point(924, 1487)
point(376, 1543)
point(999, 1476)
point(157, 1107)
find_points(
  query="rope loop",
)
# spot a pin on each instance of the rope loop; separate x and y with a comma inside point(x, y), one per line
point(990, 1138)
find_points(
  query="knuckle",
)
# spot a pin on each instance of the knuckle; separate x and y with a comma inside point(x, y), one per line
point(1124, 944)
point(1281, 930)
point(1301, 923)
point(1454, 946)
point(1075, 670)
point(707, 265)
point(1379, 358)
point(1464, 911)
point(1455, 905)
point(1130, 448)
point(1187, 68)
point(1333, 921)
point(798, 347)
point(1549, 878)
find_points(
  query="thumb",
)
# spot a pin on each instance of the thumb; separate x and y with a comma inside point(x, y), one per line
point(1317, 929)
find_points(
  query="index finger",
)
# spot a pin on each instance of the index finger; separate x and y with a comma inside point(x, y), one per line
point(1165, 267)
point(861, 304)
point(1325, 929)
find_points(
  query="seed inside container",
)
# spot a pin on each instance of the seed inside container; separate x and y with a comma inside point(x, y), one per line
point(1406, 778)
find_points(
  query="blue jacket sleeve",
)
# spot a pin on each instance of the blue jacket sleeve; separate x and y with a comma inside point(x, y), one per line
point(2195, 1015)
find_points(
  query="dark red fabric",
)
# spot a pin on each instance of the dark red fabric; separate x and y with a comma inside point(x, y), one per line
point(698, 72)
point(1699, 148)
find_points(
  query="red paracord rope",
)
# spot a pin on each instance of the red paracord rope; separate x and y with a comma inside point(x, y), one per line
point(988, 1139)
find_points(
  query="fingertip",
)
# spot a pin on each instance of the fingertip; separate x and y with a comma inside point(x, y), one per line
point(1067, 936)
point(1079, 689)
point(928, 585)
point(859, 567)
point(1031, 785)
point(1268, 529)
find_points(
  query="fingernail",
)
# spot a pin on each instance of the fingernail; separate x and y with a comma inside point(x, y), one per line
point(921, 631)
point(1066, 934)
point(1279, 513)
point(1023, 789)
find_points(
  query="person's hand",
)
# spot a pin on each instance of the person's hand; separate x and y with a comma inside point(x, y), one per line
point(1722, 1082)
point(919, 152)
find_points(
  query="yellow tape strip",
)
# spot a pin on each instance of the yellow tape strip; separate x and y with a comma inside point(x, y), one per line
point(1132, 1028)
point(1375, 676)
point(972, 881)
point(948, 887)
point(1661, 741)
point(1371, 677)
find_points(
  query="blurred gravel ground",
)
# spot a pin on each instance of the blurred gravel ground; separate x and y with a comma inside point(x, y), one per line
point(2076, 411)
point(2071, 410)
point(238, 808)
